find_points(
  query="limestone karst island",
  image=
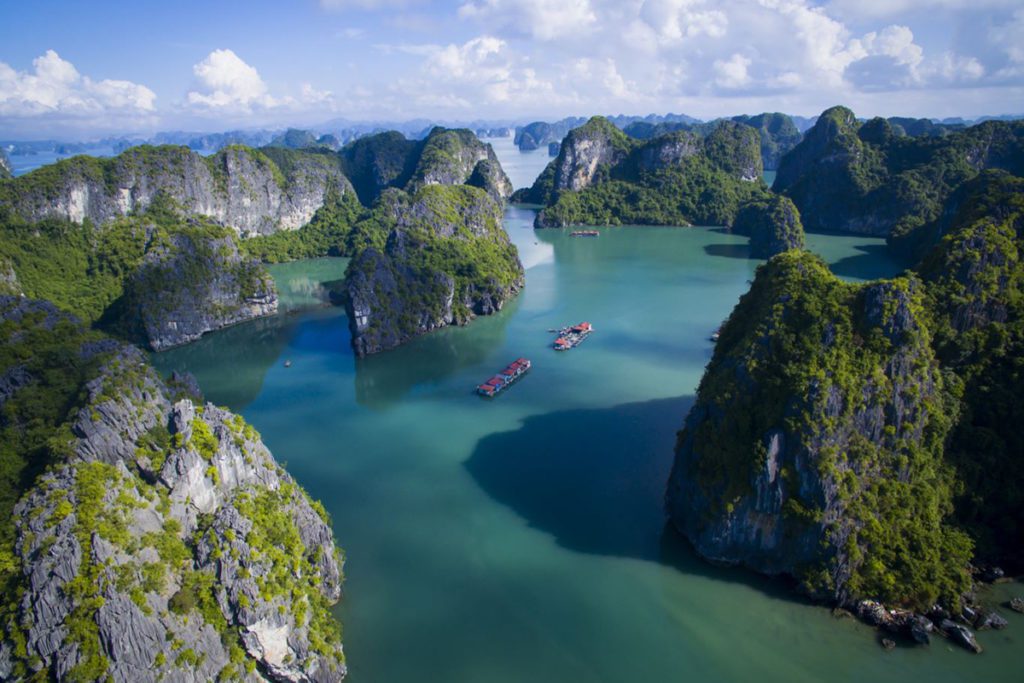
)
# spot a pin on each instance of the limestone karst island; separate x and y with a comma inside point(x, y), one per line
point(415, 341)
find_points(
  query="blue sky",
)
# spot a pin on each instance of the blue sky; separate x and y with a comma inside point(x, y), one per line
point(72, 69)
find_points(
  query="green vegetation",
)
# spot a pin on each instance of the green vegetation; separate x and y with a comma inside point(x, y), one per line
point(674, 179)
point(976, 297)
point(338, 228)
point(444, 236)
point(869, 178)
point(808, 354)
point(694, 192)
point(773, 225)
point(51, 359)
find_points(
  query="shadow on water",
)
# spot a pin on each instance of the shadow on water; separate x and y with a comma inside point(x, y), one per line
point(595, 480)
point(384, 379)
point(585, 476)
point(230, 364)
point(873, 263)
point(740, 251)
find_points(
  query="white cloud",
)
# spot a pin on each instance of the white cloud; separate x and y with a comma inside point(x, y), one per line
point(227, 82)
point(55, 88)
point(732, 72)
point(676, 20)
point(540, 19)
point(896, 42)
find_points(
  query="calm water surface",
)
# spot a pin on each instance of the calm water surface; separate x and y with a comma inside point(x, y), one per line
point(522, 538)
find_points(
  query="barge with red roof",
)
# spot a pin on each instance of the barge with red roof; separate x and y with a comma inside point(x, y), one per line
point(572, 336)
point(512, 372)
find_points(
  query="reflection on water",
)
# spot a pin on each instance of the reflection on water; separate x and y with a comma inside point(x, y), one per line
point(384, 379)
point(230, 364)
point(301, 284)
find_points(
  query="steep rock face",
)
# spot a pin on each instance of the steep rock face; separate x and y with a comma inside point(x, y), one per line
point(975, 278)
point(602, 177)
point(445, 157)
point(587, 153)
point(735, 149)
point(376, 162)
point(814, 446)
point(447, 260)
point(455, 157)
point(778, 136)
point(8, 278)
point(191, 284)
point(164, 542)
point(5, 166)
point(540, 133)
point(865, 178)
point(239, 187)
point(773, 226)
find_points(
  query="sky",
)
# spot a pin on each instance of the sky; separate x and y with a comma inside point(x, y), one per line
point(73, 69)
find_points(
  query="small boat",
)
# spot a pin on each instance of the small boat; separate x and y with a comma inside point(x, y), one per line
point(584, 233)
point(512, 372)
point(572, 336)
point(288, 363)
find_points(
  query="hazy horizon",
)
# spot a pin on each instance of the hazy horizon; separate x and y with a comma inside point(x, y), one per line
point(74, 71)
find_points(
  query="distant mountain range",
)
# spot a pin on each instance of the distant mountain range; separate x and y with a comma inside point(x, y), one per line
point(26, 155)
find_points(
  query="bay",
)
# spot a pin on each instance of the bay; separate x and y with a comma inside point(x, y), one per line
point(523, 538)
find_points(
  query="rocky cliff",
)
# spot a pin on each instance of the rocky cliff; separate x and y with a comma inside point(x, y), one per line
point(778, 136)
point(975, 278)
point(251, 191)
point(154, 278)
point(539, 133)
point(865, 178)
point(773, 225)
point(444, 157)
point(814, 448)
point(446, 261)
point(193, 281)
point(160, 539)
point(456, 157)
point(603, 177)
point(5, 166)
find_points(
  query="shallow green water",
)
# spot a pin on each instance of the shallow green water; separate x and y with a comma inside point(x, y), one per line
point(522, 538)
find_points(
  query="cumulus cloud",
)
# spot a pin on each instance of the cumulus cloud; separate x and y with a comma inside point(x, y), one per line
point(676, 20)
point(227, 82)
point(732, 72)
point(55, 88)
point(540, 19)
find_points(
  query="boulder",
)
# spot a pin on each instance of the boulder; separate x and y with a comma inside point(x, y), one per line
point(961, 635)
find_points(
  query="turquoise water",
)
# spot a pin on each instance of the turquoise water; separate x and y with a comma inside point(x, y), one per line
point(522, 538)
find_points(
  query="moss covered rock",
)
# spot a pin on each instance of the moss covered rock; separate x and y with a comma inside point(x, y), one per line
point(162, 541)
point(251, 191)
point(447, 260)
point(814, 448)
point(604, 177)
point(867, 178)
point(975, 278)
point(773, 225)
point(192, 281)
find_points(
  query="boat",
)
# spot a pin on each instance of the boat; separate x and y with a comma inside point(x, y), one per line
point(288, 363)
point(512, 372)
point(584, 233)
point(572, 336)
